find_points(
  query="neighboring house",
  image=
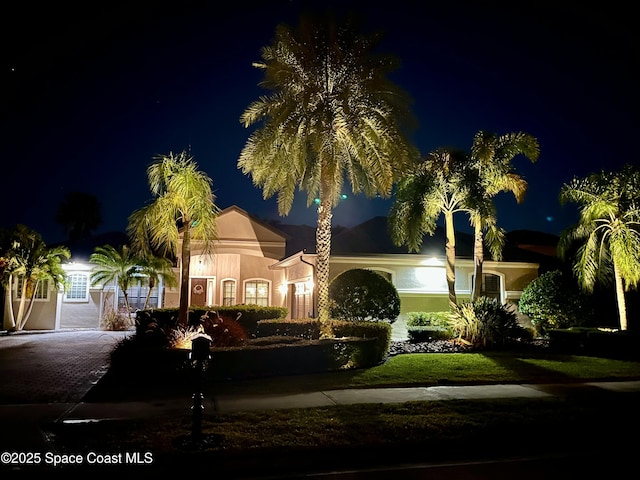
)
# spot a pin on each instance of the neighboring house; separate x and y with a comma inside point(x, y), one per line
point(81, 305)
point(255, 262)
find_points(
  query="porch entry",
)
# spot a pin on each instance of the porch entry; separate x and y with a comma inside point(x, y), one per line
point(202, 291)
point(301, 296)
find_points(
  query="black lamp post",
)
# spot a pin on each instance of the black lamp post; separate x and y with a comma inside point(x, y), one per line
point(199, 356)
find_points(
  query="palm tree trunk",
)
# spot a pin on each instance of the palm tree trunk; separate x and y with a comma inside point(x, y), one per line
point(126, 301)
point(152, 284)
point(323, 246)
point(9, 301)
point(27, 314)
point(450, 251)
point(622, 306)
point(18, 318)
point(478, 260)
point(183, 314)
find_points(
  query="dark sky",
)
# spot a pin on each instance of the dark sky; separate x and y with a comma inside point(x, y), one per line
point(91, 94)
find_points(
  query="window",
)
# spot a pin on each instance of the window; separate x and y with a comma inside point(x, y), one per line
point(228, 292)
point(256, 292)
point(78, 290)
point(490, 285)
point(137, 296)
point(42, 292)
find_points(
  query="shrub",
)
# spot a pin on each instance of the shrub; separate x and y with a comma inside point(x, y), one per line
point(308, 328)
point(116, 320)
point(367, 330)
point(421, 334)
point(360, 294)
point(428, 319)
point(553, 301)
point(224, 332)
point(486, 323)
point(247, 316)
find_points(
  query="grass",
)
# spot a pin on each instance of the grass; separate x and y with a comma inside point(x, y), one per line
point(425, 369)
point(414, 369)
point(263, 442)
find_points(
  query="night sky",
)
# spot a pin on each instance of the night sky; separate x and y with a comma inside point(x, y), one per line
point(91, 95)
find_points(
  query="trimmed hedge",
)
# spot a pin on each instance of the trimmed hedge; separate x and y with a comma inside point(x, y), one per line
point(281, 347)
point(428, 334)
point(157, 323)
point(308, 328)
point(601, 342)
point(293, 358)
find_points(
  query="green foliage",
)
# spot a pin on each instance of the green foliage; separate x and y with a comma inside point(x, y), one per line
point(365, 329)
point(24, 254)
point(420, 334)
point(428, 326)
point(117, 265)
point(486, 323)
point(360, 294)
point(183, 210)
point(308, 328)
point(607, 234)
point(553, 300)
point(428, 319)
point(598, 342)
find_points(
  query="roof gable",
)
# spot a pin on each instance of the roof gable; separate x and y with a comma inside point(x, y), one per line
point(234, 223)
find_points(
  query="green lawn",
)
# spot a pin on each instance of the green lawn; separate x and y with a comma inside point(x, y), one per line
point(368, 434)
point(424, 369)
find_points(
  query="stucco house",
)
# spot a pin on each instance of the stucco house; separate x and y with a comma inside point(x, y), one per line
point(260, 263)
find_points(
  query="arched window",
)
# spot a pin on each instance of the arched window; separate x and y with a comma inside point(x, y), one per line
point(78, 290)
point(228, 292)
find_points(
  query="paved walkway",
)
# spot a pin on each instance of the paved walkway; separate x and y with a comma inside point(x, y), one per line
point(44, 376)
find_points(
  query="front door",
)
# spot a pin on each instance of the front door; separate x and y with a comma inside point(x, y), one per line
point(198, 292)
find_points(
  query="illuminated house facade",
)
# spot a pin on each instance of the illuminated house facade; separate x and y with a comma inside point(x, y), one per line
point(258, 263)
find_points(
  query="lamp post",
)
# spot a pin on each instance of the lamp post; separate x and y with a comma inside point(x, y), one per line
point(199, 356)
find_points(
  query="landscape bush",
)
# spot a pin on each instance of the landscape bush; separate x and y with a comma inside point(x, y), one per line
point(428, 319)
point(554, 300)
point(381, 332)
point(222, 332)
point(602, 342)
point(360, 294)
point(428, 326)
point(240, 321)
point(486, 323)
point(308, 328)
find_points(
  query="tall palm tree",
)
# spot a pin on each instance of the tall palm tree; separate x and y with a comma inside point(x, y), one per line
point(439, 186)
point(331, 115)
point(184, 205)
point(118, 265)
point(609, 226)
point(31, 261)
point(153, 268)
point(491, 155)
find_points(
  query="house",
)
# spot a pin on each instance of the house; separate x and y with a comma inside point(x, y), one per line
point(260, 263)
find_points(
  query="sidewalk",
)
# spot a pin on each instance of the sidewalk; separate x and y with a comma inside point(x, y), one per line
point(235, 403)
point(25, 421)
